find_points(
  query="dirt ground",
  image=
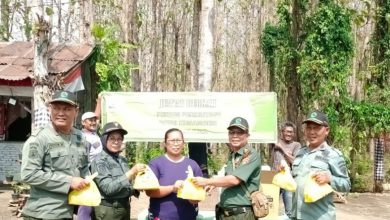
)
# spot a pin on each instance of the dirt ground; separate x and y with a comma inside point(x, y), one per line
point(360, 206)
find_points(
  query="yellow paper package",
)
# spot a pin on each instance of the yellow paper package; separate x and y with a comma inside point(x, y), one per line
point(284, 179)
point(146, 180)
point(89, 196)
point(190, 190)
point(313, 191)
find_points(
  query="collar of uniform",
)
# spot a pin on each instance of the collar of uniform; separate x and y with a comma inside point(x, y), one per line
point(56, 132)
point(239, 152)
point(321, 147)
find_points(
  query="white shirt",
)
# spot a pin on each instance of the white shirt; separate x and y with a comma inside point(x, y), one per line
point(95, 145)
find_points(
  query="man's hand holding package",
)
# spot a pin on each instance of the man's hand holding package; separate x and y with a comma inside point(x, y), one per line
point(78, 183)
point(322, 177)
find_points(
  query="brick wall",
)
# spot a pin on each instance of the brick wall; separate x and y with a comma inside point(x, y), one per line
point(9, 159)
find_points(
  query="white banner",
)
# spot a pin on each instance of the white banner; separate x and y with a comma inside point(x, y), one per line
point(202, 116)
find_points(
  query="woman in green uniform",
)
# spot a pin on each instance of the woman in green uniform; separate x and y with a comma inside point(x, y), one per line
point(114, 176)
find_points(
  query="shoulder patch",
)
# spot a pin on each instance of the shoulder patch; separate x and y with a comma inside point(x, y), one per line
point(102, 168)
point(245, 156)
point(33, 150)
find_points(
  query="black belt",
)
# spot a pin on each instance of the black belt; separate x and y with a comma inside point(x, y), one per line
point(115, 202)
point(234, 210)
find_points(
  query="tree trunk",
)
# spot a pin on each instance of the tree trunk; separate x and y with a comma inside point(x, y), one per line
point(151, 80)
point(133, 53)
point(25, 13)
point(86, 13)
point(5, 19)
point(42, 91)
point(59, 21)
point(206, 47)
point(67, 25)
point(194, 61)
point(292, 77)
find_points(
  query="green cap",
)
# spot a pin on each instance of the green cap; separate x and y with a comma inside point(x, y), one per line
point(64, 96)
point(317, 117)
point(240, 123)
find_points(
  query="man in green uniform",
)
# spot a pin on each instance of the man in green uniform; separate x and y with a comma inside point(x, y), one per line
point(54, 161)
point(242, 174)
point(323, 163)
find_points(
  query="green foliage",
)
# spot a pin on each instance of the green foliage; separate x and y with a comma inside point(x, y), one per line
point(276, 41)
point(142, 152)
point(381, 47)
point(113, 70)
point(361, 183)
point(324, 67)
point(214, 164)
point(20, 187)
point(362, 180)
point(324, 51)
point(216, 158)
point(49, 11)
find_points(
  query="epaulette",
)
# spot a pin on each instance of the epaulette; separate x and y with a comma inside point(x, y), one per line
point(301, 150)
point(338, 152)
point(35, 131)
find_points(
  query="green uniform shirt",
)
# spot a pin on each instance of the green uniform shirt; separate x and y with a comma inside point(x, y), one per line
point(49, 162)
point(323, 158)
point(111, 180)
point(245, 164)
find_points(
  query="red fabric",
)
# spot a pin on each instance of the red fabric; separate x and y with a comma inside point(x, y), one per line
point(73, 75)
point(2, 119)
point(24, 82)
point(29, 82)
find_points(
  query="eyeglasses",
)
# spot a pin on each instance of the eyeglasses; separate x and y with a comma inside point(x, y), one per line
point(239, 133)
point(112, 139)
point(175, 141)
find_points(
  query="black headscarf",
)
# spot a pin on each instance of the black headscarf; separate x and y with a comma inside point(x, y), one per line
point(104, 139)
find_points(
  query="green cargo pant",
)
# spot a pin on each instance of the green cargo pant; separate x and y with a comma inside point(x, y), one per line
point(117, 211)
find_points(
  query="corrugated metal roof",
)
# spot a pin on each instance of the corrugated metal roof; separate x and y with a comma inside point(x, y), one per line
point(17, 58)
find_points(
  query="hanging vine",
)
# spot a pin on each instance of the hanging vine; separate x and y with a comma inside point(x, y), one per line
point(324, 51)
